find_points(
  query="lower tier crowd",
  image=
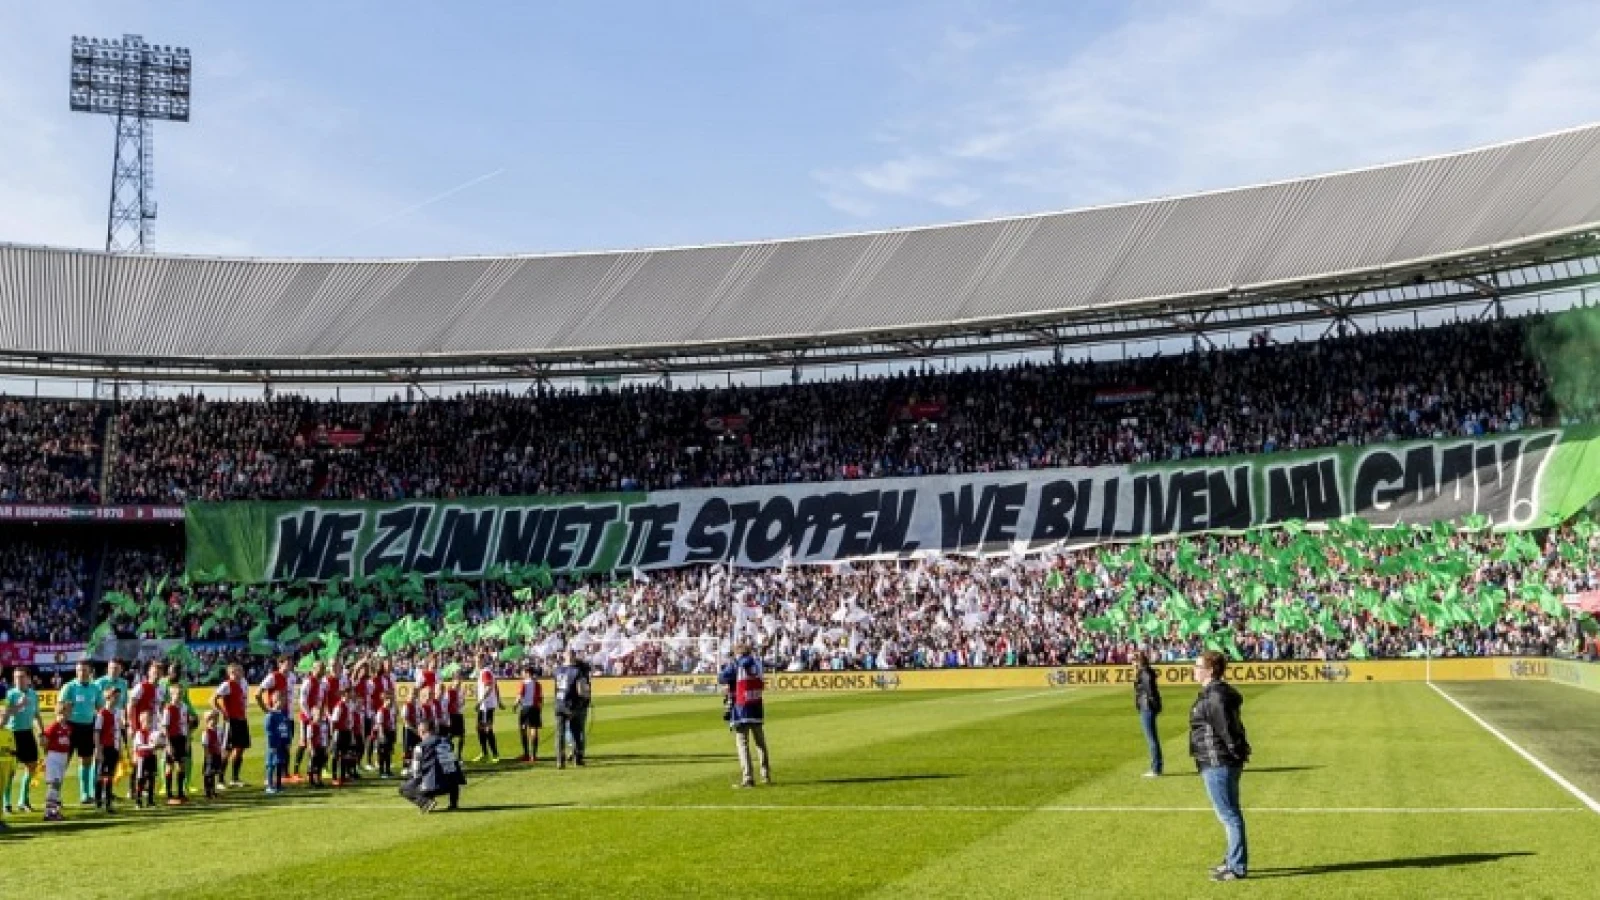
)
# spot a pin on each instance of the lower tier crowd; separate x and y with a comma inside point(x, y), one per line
point(1267, 593)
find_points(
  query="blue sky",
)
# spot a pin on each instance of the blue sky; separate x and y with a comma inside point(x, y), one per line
point(420, 129)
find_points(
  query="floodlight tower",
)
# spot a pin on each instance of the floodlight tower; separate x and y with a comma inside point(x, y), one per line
point(140, 84)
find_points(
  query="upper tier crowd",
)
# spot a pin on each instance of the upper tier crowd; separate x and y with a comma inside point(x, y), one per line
point(49, 451)
point(1461, 379)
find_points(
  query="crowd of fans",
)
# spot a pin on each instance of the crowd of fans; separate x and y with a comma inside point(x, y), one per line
point(931, 613)
point(1470, 378)
point(1462, 379)
point(43, 585)
point(49, 451)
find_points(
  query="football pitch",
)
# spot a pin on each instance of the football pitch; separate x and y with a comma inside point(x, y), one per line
point(1355, 790)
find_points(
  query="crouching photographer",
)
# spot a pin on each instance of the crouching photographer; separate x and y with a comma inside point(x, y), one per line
point(435, 772)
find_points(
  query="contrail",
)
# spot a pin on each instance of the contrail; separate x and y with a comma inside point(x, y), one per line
point(445, 195)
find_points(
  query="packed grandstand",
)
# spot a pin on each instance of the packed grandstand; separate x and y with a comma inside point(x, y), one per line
point(1448, 581)
point(1464, 380)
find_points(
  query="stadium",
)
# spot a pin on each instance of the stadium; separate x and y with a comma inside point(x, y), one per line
point(935, 491)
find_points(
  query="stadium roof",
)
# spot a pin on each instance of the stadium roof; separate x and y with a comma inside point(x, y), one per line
point(1303, 248)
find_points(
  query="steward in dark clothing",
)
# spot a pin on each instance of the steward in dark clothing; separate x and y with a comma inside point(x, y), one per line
point(1147, 700)
point(1216, 732)
point(573, 690)
point(1220, 749)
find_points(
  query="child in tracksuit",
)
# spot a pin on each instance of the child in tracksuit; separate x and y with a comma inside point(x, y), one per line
point(280, 734)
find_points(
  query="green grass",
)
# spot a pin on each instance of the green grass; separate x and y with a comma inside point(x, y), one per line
point(973, 794)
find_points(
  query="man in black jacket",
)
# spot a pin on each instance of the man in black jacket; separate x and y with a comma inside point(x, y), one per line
point(1147, 699)
point(1220, 749)
point(572, 708)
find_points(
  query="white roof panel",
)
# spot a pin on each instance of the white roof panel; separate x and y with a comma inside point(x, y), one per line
point(81, 303)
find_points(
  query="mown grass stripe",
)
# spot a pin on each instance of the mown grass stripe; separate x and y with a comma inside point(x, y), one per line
point(1552, 774)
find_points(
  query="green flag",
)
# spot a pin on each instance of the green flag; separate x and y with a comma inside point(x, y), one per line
point(330, 645)
point(1098, 624)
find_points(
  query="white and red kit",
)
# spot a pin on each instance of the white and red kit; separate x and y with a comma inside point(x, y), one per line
point(531, 694)
point(211, 744)
point(411, 713)
point(141, 700)
point(383, 725)
point(433, 712)
point(385, 685)
point(146, 741)
point(310, 699)
point(174, 723)
point(488, 689)
point(332, 691)
point(452, 699)
point(321, 735)
point(110, 725)
point(233, 693)
point(367, 693)
point(426, 678)
point(343, 716)
point(276, 682)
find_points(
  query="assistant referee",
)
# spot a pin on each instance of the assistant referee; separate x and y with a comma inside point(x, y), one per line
point(22, 703)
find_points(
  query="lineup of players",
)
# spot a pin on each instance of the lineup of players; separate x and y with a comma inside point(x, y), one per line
point(339, 721)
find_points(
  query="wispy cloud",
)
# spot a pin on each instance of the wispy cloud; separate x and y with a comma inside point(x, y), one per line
point(1183, 96)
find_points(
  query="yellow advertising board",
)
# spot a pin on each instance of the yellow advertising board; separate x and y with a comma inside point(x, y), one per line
point(1044, 678)
point(1577, 674)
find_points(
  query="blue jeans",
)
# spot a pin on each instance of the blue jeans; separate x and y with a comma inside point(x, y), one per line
point(277, 762)
point(1222, 786)
point(1151, 737)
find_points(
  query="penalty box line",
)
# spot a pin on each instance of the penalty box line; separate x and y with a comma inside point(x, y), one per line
point(1552, 774)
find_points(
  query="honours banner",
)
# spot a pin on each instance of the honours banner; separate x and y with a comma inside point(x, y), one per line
point(1514, 481)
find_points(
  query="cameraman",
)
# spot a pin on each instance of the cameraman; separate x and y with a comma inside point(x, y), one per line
point(572, 707)
point(435, 772)
point(742, 683)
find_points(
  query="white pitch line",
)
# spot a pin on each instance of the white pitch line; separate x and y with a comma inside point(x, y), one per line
point(1552, 774)
point(1049, 693)
point(780, 807)
point(905, 808)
